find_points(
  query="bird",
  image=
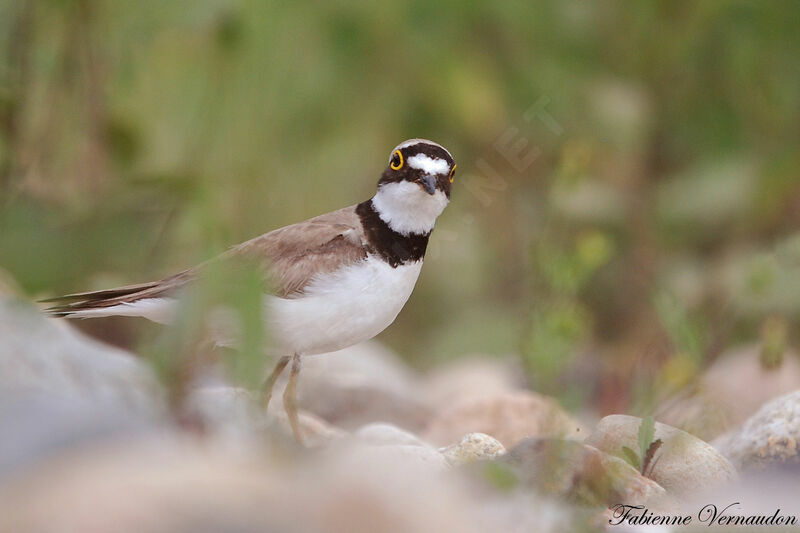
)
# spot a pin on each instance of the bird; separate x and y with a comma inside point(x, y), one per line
point(334, 280)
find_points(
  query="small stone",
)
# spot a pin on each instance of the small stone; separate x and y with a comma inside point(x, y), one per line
point(768, 437)
point(473, 447)
point(509, 417)
point(683, 464)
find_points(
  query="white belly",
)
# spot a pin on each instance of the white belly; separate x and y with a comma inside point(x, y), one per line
point(336, 310)
point(342, 308)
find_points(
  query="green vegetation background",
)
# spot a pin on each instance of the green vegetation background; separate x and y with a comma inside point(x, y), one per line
point(651, 221)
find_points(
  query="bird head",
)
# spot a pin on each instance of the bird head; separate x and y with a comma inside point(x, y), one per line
point(415, 187)
point(421, 162)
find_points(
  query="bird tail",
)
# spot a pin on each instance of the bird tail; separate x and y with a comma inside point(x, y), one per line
point(153, 300)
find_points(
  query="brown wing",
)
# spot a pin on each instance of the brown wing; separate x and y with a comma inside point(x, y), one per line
point(291, 257)
point(294, 254)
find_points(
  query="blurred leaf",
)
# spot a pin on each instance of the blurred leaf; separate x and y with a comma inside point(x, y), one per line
point(632, 458)
point(686, 330)
point(679, 370)
point(568, 271)
point(774, 334)
point(222, 308)
point(647, 432)
point(555, 336)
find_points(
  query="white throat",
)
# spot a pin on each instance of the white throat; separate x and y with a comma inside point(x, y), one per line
point(406, 208)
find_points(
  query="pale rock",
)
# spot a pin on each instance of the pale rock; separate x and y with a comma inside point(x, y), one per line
point(156, 485)
point(380, 434)
point(226, 411)
point(235, 415)
point(509, 417)
point(36, 426)
point(769, 437)
point(581, 473)
point(49, 356)
point(358, 385)
point(397, 457)
point(388, 488)
point(314, 430)
point(719, 402)
point(682, 465)
point(60, 390)
point(471, 377)
point(173, 482)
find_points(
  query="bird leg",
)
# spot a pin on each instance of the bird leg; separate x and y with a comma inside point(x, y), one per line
point(289, 398)
point(270, 383)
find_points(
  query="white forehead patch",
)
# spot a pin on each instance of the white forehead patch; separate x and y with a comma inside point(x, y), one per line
point(429, 165)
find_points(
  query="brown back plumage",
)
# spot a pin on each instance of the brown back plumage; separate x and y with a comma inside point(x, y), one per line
point(293, 255)
point(290, 256)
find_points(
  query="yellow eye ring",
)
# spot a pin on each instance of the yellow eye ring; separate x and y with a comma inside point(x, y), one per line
point(452, 175)
point(400, 157)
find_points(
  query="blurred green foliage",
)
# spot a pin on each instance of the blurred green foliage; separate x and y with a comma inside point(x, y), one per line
point(226, 301)
point(649, 219)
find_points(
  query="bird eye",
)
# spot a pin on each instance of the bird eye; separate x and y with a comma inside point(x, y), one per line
point(452, 175)
point(397, 160)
